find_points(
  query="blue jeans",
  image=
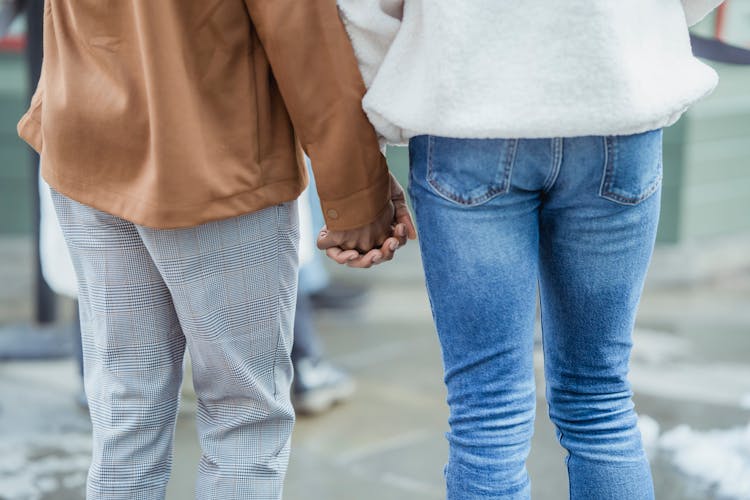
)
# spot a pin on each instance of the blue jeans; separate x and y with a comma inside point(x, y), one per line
point(575, 219)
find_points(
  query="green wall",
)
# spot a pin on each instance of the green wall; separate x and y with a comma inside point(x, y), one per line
point(15, 164)
point(707, 164)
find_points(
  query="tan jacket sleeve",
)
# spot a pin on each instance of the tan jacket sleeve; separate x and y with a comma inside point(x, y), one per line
point(316, 71)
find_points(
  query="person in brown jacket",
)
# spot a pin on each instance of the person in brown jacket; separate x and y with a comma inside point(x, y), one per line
point(170, 135)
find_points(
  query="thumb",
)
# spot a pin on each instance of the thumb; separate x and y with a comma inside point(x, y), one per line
point(403, 216)
point(325, 239)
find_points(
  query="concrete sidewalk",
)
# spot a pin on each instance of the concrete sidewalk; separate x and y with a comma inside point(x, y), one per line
point(690, 366)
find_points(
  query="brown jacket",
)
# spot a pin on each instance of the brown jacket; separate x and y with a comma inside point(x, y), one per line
point(172, 113)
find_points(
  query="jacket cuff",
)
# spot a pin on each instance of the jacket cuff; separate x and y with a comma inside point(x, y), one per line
point(358, 209)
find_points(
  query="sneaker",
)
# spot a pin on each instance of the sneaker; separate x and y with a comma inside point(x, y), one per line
point(318, 385)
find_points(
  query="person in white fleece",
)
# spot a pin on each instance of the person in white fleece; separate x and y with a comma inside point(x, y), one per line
point(534, 129)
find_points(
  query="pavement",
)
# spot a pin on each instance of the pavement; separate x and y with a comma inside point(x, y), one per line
point(691, 367)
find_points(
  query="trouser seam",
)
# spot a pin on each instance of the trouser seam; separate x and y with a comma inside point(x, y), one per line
point(278, 305)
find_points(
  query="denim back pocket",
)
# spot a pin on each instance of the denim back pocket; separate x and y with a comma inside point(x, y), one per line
point(470, 171)
point(633, 170)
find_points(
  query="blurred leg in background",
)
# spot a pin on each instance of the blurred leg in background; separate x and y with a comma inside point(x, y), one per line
point(315, 279)
point(318, 385)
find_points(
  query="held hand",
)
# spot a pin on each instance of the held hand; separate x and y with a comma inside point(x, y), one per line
point(362, 239)
point(385, 252)
point(402, 230)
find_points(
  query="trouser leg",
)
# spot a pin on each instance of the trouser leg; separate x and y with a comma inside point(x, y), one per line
point(133, 348)
point(234, 284)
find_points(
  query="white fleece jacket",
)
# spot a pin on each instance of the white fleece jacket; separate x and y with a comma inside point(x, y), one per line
point(526, 68)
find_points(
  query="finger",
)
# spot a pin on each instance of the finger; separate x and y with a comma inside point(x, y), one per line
point(327, 239)
point(402, 232)
point(341, 256)
point(360, 263)
point(389, 248)
point(404, 217)
point(371, 258)
point(399, 233)
point(335, 253)
point(399, 204)
point(401, 208)
point(348, 245)
point(380, 241)
point(369, 242)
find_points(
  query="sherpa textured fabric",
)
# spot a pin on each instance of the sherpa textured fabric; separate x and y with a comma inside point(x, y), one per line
point(526, 68)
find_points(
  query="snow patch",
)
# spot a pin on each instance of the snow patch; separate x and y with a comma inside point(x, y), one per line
point(649, 432)
point(33, 468)
point(653, 347)
point(718, 458)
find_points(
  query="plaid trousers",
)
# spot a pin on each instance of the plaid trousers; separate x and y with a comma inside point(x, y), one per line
point(224, 289)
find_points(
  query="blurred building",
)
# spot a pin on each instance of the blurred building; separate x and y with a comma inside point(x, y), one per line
point(16, 176)
point(707, 153)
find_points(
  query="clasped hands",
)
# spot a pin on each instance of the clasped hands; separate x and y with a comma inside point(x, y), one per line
point(375, 243)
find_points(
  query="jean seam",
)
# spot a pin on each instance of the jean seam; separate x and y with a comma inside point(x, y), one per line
point(606, 175)
point(510, 163)
point(557, 156)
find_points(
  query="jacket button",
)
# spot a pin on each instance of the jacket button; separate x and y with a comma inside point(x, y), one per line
point(332, 214)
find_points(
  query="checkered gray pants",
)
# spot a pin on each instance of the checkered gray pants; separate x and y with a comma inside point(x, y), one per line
point(226, 290)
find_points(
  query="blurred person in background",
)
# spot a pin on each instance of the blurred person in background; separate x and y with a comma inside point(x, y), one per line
point(168, 133)
point(9, 10)
point(535, 141)
point(318, 384)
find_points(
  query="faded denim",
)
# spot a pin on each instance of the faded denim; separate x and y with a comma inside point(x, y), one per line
point(575, 220)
